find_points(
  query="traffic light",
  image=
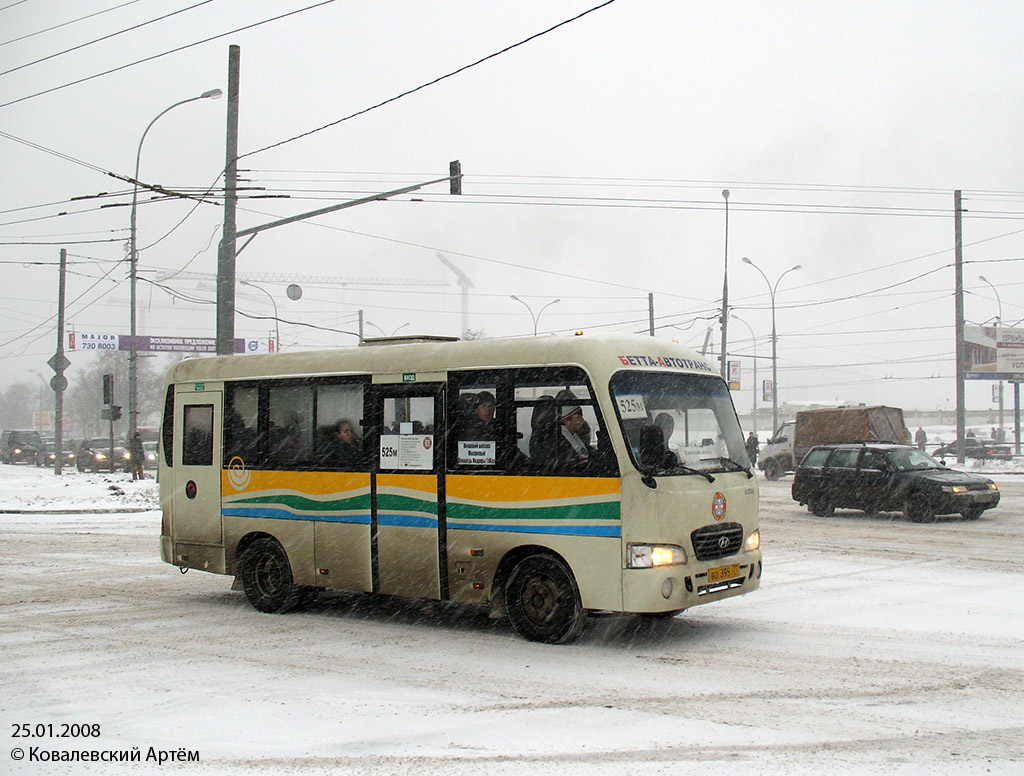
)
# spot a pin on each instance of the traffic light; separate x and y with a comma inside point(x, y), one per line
point(455, 176)
point(108, 389)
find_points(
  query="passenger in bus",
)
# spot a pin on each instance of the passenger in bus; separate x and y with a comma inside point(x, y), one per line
point(343, 447)
point(480, 423)
point(570, 447)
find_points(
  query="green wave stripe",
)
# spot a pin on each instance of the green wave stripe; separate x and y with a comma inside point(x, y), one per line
point(300, 503)
point(608, 510)
point(392, 502)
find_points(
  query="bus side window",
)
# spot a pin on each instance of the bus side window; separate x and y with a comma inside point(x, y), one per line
point(290, 430)
point(478, 427)
point(558, 427)
point(340, 434)
point(240, 424)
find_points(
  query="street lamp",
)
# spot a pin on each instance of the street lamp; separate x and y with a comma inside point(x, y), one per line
point(530, 309)
point(133, 355)
point(753, 339)
point(999, 322)
point(277, 321)
point(775, 339)
point(725, 290)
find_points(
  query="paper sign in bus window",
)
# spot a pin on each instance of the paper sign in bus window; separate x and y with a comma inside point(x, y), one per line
point(409, 451)
point(478, 453)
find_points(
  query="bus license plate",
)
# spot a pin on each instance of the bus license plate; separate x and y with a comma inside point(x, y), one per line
point(722, 573)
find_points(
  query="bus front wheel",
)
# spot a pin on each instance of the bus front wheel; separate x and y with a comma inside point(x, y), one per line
point(543, 601)
point(267, 577)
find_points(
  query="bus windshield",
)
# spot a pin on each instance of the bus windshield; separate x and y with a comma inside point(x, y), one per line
point(679, 424)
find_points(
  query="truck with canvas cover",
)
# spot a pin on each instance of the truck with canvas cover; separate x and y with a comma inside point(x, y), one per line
point(832, 425)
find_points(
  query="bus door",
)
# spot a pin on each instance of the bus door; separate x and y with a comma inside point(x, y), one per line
point(408, 537)
point(196, 470)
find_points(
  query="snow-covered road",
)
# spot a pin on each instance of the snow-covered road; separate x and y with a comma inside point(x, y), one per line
point(875, 645)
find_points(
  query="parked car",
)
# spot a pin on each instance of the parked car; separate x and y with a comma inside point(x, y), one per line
point(980, 449)
point(94, 455)
point(888, 478)
point(47, 455)
point(17, 446)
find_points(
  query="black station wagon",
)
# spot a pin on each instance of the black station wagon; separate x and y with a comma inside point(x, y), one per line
point(888, 478)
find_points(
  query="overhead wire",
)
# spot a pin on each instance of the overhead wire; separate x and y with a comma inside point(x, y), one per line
point(175, 50)
point(106, 37)
point(67, 23)
point(430, 83)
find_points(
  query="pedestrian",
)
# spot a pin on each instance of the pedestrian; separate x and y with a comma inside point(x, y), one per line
point(920, 438)
point(753, 443)
point(138, 456)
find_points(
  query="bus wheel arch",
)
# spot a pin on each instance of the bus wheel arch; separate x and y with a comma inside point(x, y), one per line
point(266, 574)
point(540, 595)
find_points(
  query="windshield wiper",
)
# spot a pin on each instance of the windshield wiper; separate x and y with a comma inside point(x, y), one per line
point(684, 469)
point(739, 467)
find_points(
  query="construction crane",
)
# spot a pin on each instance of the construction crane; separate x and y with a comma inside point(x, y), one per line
point(465, 284)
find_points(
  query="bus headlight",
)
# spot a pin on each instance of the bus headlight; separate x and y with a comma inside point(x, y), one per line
point(753, 541)
point(645, 556)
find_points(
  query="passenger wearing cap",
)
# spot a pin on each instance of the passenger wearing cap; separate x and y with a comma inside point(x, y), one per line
point(480, 423)
point(570, 447)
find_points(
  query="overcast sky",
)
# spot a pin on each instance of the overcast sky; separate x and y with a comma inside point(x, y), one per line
point(594, 155)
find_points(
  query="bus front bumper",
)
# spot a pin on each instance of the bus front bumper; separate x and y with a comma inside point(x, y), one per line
point(674, 588)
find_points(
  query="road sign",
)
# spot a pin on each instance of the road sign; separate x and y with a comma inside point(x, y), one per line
point(59, 383)
point(58, 362)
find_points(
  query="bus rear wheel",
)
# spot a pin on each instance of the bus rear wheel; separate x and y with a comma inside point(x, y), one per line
point(543, 600)
point(267, 577)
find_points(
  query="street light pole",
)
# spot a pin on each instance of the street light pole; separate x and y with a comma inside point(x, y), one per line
point(277, 320)
point(999, 322)
point(775, 339)
point(725, 291)
point(537, 316)
point(133, 354)
point(753, 339)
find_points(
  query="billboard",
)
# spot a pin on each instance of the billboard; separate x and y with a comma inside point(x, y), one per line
point(994, 353)
point(78, 340)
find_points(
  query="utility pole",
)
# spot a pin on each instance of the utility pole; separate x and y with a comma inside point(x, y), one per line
point(226, 252)
point(60, 363)
point(961, 355)
point(650, 312)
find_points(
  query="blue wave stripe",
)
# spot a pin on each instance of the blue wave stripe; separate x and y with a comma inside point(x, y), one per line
point(422, 521)
point(562, 530)
point(406, 521)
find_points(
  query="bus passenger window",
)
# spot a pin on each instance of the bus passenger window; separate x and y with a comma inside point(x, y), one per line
point(291, 424)
point(477, 430)
point(240, 424)
point(339, 410)
point(559, 431)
